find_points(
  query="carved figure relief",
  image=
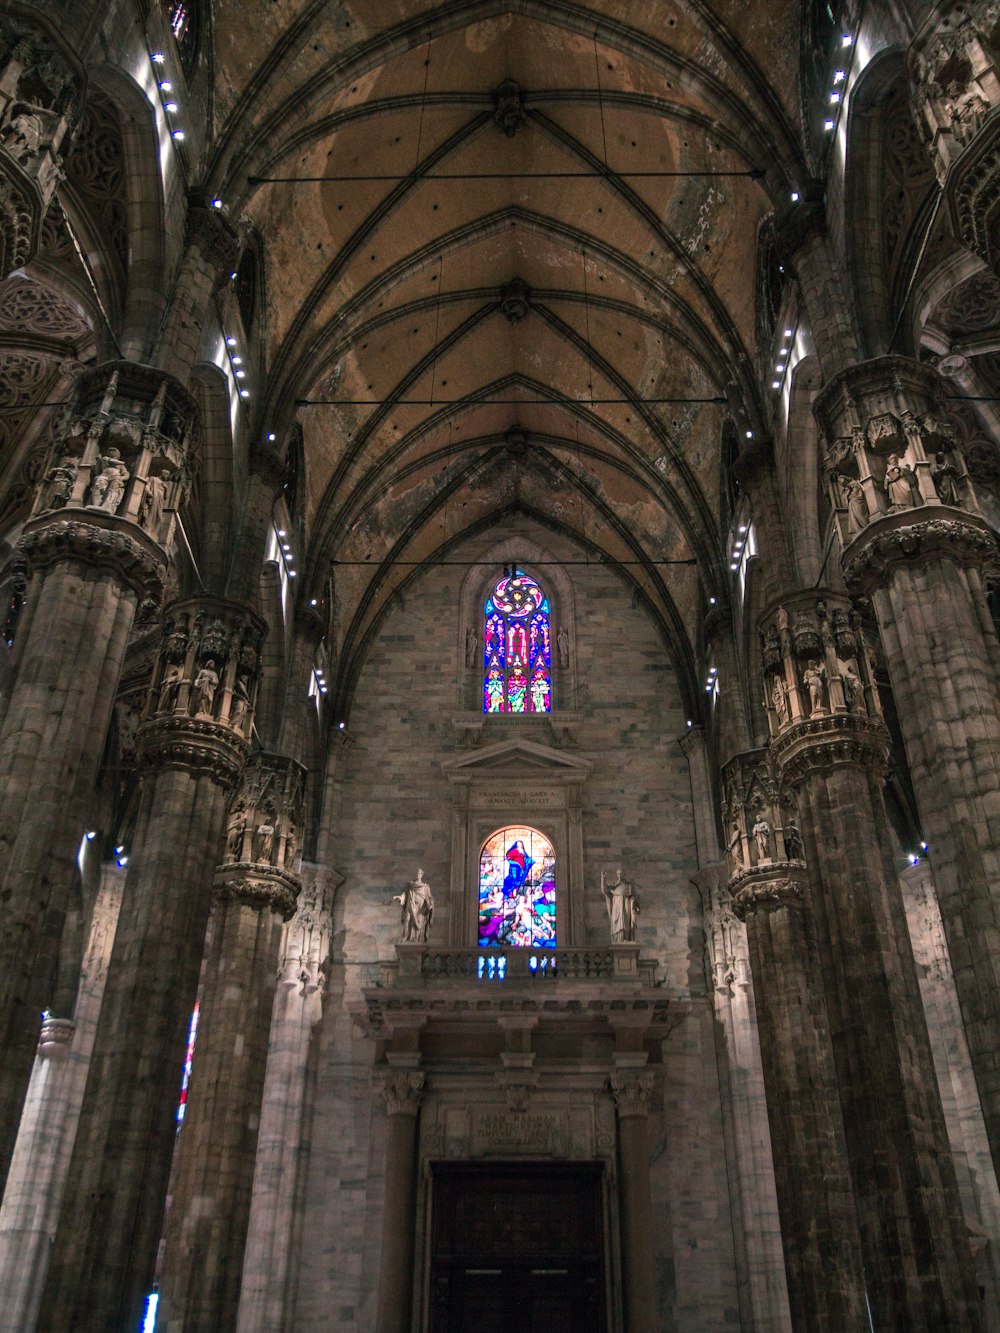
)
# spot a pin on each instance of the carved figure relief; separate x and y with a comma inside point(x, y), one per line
point(264, 843)
point(897, 484)
point(762, 837)
point(779, 699)
point(153, 501)
point(793, 842)
point(61, 480)
point(945, 478)
point(110, 478)
point(812, 678)
point(205, 685)
point(854, 691)
point(854, 499)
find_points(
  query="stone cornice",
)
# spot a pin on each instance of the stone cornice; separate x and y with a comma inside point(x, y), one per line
point(192, 743)
point(819, 744)
point(259, 886)
point(100, 541)
point(913, 537)
point(755, 889)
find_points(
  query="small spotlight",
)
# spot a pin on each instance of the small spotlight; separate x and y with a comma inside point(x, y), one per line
point(216, 203)
point(734, 566)
point(708, 689)
point(158, 58)
point(923, 846)
point(835, 99)
point(914, 860)
point(711, 601)
point(776, 384)
point(232, 277)
point(749, 434)
point(839, 76)
point(272, 437)
point(292, 574)
point(828, 125)
point(170, 106)
point(90, 835)
point(795, 196)
point(713, 671)
point(237, 361)
point(166, 86)
point(123, 860)
point(119, 850)
point(743, 527)
point(177, 134)
point(241, 374)
point(312, 601)
point(690, 723)
point(230, 342)
point(341, 726)
point(789, 333)
point(244, 393)
point(847, 40)
point(281, 532)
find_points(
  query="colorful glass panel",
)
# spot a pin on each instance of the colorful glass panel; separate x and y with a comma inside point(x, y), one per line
point(188, 1060)
point(517, 890)
point(517, 656)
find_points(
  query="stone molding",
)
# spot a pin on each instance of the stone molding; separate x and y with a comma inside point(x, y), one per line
point(692, 740)
point(819, 744)
point(258, 886)
point(632, 1092)
point(56, 1037)
point(92, 540)
point(191, 743)
point(402, 1091)
point(973, 194)
point(775, 887)
point(906, 538)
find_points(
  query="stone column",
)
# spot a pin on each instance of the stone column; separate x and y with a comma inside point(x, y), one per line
point(305, 950)
point(94, 545)
point(41, 99)
point(829, 744)
point(192, 746)
point(402, 1091)
point(48, 1126)
point(918, 553)
point(632, 1089)
point(211, 253)
point(768, 885)
point(255, 890)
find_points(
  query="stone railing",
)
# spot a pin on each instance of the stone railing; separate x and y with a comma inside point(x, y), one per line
point(427, 963)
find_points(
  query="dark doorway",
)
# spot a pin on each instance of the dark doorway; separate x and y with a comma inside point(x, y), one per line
point(517, 1246)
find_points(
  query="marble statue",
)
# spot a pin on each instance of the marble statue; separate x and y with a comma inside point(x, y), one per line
point(61, 480)
point(153, 502)
point(623, 907)
point(793, 841)
point(779, 698)
point(234, 836)
point(23, 133)
point(265, 843)
point(854, 691)
point(812, 678)
point(417, 910)
point(945, 478)
point(854, 498)
point(562, 642)
point(897, 484)
point(240, 702)
point(762, 835)
point(170, 685)
point(108, 486)
point(205, 684)
point(471, 643)
point(736, 846)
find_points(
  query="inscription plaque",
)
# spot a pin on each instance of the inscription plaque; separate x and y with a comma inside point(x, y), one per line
point(502, 798)
point(514, 1131)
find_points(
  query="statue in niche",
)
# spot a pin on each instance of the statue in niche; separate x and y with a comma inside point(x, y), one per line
point(562, 643)
point(22, 135)
point(61, 480)
point(417, 910)
point(240, 702)
point(152, 503)
point(854, 498)
point(623, 907)
point(762, 836)
point(736, 846)
point(898, 477)
point(779, 699)
point(265, 842)
point(945, 478)
point(234, 835)
point(291, 845)
point(854, 691)
point(812, 678)
point(170, 686)
point(471, 644)
point(108, 486)
point(205, 685)
point(793, 842)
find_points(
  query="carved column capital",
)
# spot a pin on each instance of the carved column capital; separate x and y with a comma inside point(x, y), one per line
point(632, 1091)
point(195, 744)
point(754, 891)
point(56, 1037)
point(260, 887)
point(401, 1091)
point(819, 744)
point(916, 537)
point(93, 540)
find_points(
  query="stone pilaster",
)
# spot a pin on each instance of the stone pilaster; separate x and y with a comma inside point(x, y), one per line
point(632, 1090)
point(41, 98)
point(401, 1090)
point(255, 891)
point(920, 560)
point(304, 954)
point(94, 546)
point(191, 748)
point(768, 886)
point(829, 745)
point(211, 253)
point(754, 470)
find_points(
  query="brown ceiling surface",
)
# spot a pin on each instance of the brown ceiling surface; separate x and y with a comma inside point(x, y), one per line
point(510, 309)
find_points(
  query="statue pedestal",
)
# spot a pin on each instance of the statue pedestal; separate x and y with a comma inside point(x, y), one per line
point(626, 959)
point(411, 956)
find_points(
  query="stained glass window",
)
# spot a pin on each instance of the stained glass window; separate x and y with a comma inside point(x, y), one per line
point(517, 890)
point(517, 648)
point(182, 15)
point(188, 1058)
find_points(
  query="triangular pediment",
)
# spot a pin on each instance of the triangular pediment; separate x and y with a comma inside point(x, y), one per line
point(514, 759)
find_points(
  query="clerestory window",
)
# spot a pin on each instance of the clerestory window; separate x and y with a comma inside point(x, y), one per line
point(517, 647)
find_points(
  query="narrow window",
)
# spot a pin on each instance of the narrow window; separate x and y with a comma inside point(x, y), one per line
point(517, 650)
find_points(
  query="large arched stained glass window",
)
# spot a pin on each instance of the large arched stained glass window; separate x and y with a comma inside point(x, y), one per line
point(517, 649)
point(517, 890)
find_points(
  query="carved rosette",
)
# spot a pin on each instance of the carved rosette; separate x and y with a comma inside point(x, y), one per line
point(41, 99)
point(890, 448)
point(820, 744)
point(815, 661)
point(208, 668)
point(85, 540)
point(402, 1091)
point(122, 456)
point(632, 1091)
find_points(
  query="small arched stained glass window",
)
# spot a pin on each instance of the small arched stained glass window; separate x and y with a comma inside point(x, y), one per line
point(517, 647)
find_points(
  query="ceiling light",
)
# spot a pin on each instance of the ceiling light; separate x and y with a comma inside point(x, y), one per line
point(272, 437)
point(177, 134)
point(838, 76)
point(776, 384)
point(216, 203)
point(170, 106)
point(230, 342)
point(795, 196)
point(834, 99)
point(166, 86)
point(847, 39)
point(158, 58)
point(244, 393)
